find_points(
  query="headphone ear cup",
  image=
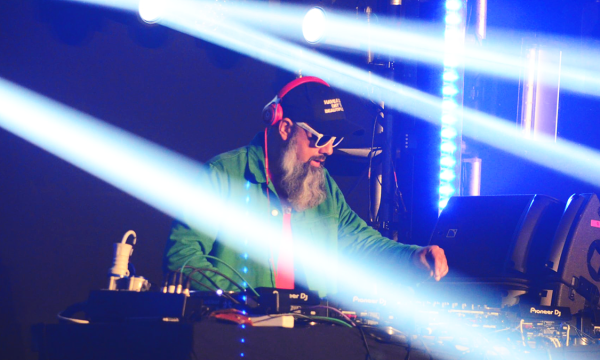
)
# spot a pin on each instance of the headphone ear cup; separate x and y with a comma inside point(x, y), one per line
point(272, 113)
point(268, 113)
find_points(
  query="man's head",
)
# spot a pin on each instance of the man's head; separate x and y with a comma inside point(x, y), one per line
point(308, 120)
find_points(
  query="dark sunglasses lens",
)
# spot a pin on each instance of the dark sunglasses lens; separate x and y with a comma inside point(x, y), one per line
point(323, 140)
point(337, 141)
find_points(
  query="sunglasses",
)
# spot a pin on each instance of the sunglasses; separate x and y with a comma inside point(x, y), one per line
point(322, 140)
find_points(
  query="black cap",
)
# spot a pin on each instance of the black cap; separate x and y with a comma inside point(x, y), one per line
point(320, 107)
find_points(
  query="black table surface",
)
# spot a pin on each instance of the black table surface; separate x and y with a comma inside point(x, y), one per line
point(211, 339)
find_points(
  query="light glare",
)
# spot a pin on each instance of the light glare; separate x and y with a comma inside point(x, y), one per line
point(453, 5)
point(450, 75)
point(448, 147)
point(313, 26)
point(447, 175)
point(446, 190)
point(449, 133)
point(450, 90)
point(448, 119)
point(453, 19)
point(151, 11)
point(447, 161)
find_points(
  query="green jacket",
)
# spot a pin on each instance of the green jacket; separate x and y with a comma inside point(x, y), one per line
point(238, 179)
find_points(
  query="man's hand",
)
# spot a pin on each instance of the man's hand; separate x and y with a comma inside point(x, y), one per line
point(432, 259)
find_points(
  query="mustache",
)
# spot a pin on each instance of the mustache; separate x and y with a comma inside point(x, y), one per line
point(320, 158)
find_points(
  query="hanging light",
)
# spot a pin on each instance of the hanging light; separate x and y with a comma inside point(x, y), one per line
point(313, 25)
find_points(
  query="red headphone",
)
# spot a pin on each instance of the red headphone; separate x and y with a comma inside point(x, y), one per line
point(272, 112)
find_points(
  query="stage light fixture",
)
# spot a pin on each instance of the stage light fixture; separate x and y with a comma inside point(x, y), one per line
point(314, 25)
point(151, 11)
point(451, 118)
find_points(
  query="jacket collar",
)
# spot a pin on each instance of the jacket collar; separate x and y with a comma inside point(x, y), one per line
point(256, 168)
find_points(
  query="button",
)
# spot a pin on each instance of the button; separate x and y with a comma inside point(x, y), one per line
point(274, 212)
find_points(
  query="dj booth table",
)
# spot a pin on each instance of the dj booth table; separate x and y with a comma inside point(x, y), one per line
point(210, 339)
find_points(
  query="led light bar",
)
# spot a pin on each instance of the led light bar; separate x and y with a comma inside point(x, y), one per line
point(452, 92)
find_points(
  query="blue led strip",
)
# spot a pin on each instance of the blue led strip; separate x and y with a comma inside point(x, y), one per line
point(245, 268)
point(452, 103)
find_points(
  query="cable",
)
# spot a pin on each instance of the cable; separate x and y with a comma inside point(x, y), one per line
point(372, 216)
point(408, 347)
point(330, 319)
point(334, 310)
point(224, 293)
point(426, 349)
point(71, 320)
point(224, 263)
point(521, 328)
point(201, 271)
point(362, 334)
point(75, 308)
point(222, 275)
point(203, 285)
point(317, 318)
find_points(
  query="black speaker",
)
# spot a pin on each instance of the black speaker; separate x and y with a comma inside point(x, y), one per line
point(489, 237)
point(574, 258)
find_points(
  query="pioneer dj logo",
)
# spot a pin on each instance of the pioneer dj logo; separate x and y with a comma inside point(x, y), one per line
point(554, 312)
point(361, 300)
point(369, 301)
point(301, 296)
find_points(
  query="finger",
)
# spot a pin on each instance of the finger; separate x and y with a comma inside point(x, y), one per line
point(441, 264)
point(423, 260)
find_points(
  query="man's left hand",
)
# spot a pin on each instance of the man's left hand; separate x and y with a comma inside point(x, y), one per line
point(433, 259)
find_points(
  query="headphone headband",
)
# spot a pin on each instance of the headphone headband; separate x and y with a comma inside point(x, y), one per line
point(273, 112)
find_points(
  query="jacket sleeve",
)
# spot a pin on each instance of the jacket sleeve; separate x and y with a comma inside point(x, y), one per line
point(360, 241)
point(193, 237)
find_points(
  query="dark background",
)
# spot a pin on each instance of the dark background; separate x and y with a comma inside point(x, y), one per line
point(58, 223)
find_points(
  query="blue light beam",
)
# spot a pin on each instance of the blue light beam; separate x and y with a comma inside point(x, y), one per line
point(563, 156)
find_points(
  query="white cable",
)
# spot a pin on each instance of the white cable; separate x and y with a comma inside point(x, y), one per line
point(126, 236)
point(522, 336)
point(568, 333)
point(71, 320)
point(122, 253)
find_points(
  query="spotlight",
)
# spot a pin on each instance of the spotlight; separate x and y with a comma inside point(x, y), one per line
point(313, 25)
point(151, 11)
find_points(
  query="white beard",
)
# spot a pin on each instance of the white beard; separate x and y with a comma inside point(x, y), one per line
point(303, 183)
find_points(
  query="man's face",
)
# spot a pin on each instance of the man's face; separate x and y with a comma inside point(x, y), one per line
point(307, 152)
point(303, 178)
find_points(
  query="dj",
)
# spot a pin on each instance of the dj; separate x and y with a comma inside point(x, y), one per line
point(280, 177)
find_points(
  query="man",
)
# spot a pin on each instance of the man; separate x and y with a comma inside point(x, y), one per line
point(280, 178)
